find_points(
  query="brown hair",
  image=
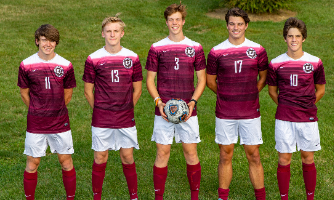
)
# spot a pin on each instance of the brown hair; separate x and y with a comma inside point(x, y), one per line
point(237, 12)
point(49, 32)
point(115, 19)
point(293, 22)
point(176, 8)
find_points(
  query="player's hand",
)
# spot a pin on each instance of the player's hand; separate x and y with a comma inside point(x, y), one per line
point(161, 106)
point(191, 106)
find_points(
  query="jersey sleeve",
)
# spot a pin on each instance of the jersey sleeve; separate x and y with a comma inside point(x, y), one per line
point(263, 60)
point(89, 73)
point(271, 76)
point(23, 80)
point(137, 71)
point(152, 60)
point(69, 80)
point(199, 59)
point(319, 74)
point(212, 65)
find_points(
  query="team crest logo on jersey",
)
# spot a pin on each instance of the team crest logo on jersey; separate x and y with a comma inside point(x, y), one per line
point(308, 68)
point(127, 63)
point(251, 53)
point(59, 71)
point(190, 51)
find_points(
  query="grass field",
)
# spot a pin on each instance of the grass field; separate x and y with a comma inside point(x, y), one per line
point(79, 26)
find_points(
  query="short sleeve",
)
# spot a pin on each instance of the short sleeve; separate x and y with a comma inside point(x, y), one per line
point(152, 60)
point(212, 65)
point(69, 80)
point(137, 71)
point(271, 76)
point(23, 80)
point(263, 60)
point(319, 74)
point(89, 73)
point(199, 59)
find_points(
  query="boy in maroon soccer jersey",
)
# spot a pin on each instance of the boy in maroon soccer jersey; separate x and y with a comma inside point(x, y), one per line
point(116, 75)
point(232, 70)
point(46, 82)
point(296, 82)
point(173, 60)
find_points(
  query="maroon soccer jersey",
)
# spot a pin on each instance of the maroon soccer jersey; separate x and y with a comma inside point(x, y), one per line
point(237, 69)
point(296, 81)
point(47, 80)
point(175, 63)
point(113, 76)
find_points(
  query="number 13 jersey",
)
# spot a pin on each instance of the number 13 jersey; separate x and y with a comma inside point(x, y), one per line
point(237, 69)
point(113, 76)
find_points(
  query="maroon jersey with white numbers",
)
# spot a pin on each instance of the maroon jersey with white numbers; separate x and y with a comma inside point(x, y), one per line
point(113, 76)
point(296, 81)
point(237, 69)
point(46, 81)
point(175, 63)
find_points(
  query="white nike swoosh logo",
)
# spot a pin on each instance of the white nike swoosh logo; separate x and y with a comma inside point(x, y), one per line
point(27, 196)
point(283, 195)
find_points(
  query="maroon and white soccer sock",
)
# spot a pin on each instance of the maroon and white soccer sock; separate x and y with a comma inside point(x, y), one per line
point(130, 174)
point(29, 184)
point(310, 179)
point(98, 173)
point(260, 194)
point(159, 179)
point(223, 193)
point(194, 178)
point(283, 179)
point(70, 183)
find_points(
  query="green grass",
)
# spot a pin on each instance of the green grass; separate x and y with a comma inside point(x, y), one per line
point(79, 25)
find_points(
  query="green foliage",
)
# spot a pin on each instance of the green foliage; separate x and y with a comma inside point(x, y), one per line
point(258, 6)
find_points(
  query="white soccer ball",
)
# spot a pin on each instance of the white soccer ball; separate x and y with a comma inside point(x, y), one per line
point(176, 110)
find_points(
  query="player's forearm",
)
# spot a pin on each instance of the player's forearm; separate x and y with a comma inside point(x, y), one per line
point(68, 95)
point(152, 89)
point(25, 96)
point(261, 84)
point(211, 82)
point(90, 99)
point(273, 93)
point(319, 93)
point(199, 89)
point(137, 90)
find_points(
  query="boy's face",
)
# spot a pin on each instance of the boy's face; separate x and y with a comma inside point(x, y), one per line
point(175, 23)
point(236, 27)
point(112, 33)
point(45, 46)
point(294, 40)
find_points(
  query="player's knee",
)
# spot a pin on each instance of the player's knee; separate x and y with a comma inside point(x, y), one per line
point(163, 155)
point(284, 161)
point(66, 164)
point(127, 159)
point(32, 167)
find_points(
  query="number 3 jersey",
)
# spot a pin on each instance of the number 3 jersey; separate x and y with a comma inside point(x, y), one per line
point(296, 81)
point(175, 63)
point(237, 69)
point(46, 81)
point(113, 76)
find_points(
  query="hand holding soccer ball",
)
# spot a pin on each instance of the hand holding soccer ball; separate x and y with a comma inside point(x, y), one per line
point(176, 110)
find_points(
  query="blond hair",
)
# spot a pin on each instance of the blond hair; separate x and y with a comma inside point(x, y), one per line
point(114, 19)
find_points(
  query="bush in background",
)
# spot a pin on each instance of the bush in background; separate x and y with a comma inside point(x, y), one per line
point(258, 6)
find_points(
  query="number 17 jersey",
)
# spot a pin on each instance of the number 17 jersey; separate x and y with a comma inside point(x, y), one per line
point(237, 69)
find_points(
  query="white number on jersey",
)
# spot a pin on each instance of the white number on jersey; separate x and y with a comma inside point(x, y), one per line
point(236, 65)
point(176, 67)
point(294, 79)
point(47, 83)
point(114, 76)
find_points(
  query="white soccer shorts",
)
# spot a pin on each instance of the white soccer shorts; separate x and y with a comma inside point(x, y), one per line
point(228, 130)
point(36, 144)
point(304, 134)
point(186, 132)
point(113, 139)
